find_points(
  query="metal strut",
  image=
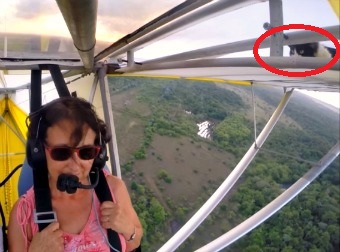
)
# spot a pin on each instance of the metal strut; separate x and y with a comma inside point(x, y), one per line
point(273, 207)
point(224, 188)
point(105, 94)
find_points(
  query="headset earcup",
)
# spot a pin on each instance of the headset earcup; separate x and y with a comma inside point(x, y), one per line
point(35, 153)
point(100, 161)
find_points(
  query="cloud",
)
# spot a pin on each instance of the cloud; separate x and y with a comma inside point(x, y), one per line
point(126, 16)
point(138, 9)
point(34, 8)
point(115, 19)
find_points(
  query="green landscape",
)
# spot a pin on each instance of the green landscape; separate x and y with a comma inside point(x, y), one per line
point(171, 171)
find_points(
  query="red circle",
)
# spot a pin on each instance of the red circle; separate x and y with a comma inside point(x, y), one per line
point(296, 74)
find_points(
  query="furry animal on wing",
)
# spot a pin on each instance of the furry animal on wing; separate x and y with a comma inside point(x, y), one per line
point(312, 50)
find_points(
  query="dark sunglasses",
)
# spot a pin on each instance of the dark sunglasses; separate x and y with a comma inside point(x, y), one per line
point(64, 153)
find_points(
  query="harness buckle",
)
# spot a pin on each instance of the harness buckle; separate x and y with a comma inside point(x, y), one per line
point(44, 217)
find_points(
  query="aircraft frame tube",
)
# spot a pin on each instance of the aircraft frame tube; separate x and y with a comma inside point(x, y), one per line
point(93, 88)
point(278, 62)
point(105, 94)
point(81, 20)
point(276, 19)
point(206, 12)
point(298, 37)
point(167, 17)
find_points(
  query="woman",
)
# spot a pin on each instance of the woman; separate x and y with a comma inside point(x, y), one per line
point(71, 133)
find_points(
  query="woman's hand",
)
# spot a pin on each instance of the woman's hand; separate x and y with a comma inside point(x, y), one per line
point(121, 216)
point(49, 239)
point(115, 218)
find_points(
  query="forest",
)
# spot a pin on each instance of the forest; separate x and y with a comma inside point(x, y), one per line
point(171, 171)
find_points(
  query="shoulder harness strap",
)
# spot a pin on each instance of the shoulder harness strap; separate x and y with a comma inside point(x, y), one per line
point(104, 194)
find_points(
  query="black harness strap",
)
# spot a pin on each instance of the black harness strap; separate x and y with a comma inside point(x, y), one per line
point(104, 194)
point(36, 95)
point(59, 81)
point(44, 214)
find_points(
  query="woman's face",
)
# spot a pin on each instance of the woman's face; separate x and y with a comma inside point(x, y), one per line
point(59, 135)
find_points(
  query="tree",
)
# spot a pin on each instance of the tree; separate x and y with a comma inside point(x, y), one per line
point(157, 212)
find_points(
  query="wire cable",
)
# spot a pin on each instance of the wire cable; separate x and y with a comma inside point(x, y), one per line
point(10, 175)
point(254, 113)
point(255, 133)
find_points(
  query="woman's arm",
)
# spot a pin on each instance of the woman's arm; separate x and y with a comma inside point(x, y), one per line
point(129, 223)
point(50, 239)
point(16, 240)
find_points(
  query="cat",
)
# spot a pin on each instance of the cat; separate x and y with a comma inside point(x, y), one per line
point(312, 50)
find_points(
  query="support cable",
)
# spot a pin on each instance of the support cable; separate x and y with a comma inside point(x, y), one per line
point(265, 149)
point(2, 183)
point(254, 113)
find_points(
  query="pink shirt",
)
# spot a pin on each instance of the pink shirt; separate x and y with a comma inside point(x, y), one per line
point(90, 239)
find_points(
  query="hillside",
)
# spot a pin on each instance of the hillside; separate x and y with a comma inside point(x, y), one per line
point(171, 171)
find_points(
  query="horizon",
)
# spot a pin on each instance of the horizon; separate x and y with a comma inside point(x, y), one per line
point(329, 98)
point(50, 93)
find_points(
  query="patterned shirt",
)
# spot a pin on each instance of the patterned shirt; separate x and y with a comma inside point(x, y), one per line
point(90, 239)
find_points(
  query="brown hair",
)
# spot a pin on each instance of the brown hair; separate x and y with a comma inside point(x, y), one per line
point(77, 110)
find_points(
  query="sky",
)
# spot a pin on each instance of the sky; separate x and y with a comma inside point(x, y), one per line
point(117, 19)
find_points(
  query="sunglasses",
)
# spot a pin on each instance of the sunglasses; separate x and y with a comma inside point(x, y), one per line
point(64, 153)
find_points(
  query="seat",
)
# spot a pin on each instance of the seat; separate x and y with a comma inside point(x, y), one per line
point(25, 178)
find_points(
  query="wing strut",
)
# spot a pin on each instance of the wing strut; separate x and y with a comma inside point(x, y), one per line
point(107, 108)
point(219, 194)
point(273, 207)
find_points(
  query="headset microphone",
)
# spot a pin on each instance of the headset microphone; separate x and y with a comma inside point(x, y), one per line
point(70, 183)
